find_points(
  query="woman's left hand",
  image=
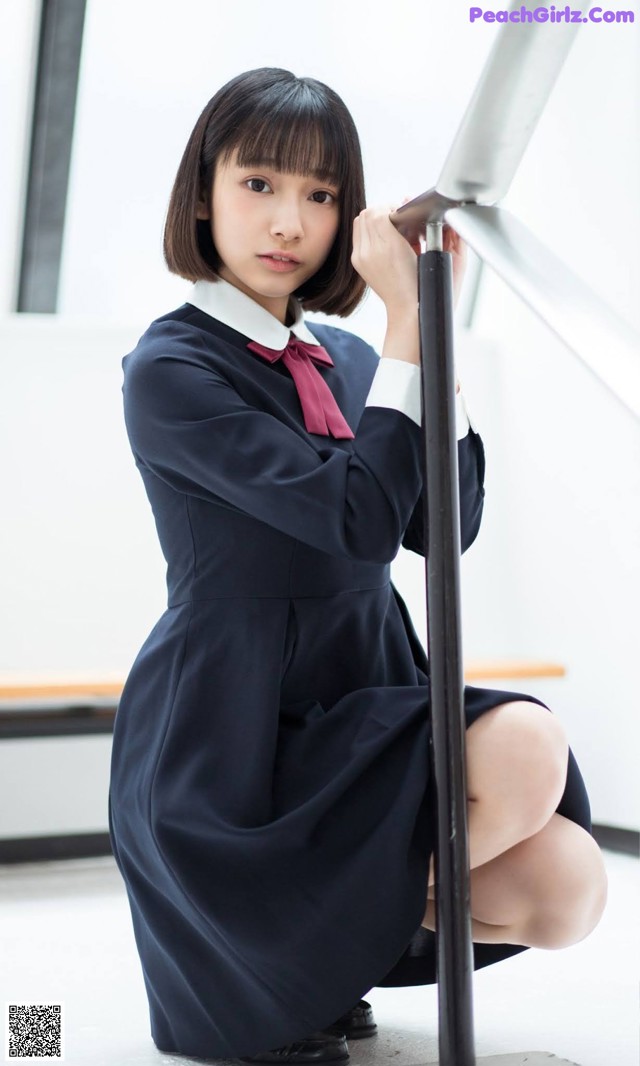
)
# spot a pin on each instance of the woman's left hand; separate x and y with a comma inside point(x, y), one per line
point(451, 242)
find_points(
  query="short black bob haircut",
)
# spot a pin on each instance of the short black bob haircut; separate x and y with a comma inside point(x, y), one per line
point(295, 124)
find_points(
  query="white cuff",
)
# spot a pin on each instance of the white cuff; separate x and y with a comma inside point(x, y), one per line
point(396, 384)
point(462, 419)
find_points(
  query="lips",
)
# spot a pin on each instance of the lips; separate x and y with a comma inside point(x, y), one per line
point(280, 257)
point(279, 265)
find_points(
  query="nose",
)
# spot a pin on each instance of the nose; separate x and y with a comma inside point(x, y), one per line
point(286, 222)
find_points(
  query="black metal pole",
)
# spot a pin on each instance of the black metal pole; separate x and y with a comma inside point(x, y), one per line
point(442, 521)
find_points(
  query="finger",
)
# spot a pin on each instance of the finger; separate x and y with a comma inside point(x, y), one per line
point(364, 236)
point(359, 236)
point(450, 243)
point(451, 236)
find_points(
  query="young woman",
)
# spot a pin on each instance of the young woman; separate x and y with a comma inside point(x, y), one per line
point(271, 804)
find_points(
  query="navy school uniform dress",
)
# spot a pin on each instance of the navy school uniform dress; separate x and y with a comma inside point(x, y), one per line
point(271, 804)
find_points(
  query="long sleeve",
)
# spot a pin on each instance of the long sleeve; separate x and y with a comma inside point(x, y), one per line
point(397, 384)
point(471, 468)
point(192, 429)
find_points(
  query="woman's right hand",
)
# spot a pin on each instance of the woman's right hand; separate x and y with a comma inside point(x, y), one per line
point(385, 260)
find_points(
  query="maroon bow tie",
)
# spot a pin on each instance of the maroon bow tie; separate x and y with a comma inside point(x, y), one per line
point(319, 407)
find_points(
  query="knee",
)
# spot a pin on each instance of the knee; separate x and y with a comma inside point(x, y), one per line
point(532, 751)
point(541, 755)
point(573, 903)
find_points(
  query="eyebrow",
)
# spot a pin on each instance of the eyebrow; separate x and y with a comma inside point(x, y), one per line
point(270, 164)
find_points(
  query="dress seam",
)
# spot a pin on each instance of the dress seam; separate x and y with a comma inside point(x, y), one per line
point(293, 553)
point(193, 539)
point(156, 842)
point(283, 596)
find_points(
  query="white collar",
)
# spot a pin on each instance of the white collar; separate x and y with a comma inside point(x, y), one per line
point(230, 305)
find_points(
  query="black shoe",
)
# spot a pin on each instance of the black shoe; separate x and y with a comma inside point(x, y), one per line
point(355, 1023)
point(321, 1046)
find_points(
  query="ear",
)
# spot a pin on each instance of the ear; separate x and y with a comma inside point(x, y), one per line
point(202, 210)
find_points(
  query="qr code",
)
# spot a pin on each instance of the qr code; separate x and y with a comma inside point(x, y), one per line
point(35, 1031)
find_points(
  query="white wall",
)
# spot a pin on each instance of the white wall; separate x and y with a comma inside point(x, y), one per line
point(553, 572)
point(81, 566)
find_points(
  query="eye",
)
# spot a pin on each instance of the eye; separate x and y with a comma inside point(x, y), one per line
point(260, 181)
point(324, 192)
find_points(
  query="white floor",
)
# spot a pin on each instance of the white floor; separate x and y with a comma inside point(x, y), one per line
point(66, 937)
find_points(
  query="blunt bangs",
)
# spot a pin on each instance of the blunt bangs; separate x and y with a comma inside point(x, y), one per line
point(300, 138)
point(270, 117)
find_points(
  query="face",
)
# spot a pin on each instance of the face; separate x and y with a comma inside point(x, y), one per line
point(257, 212)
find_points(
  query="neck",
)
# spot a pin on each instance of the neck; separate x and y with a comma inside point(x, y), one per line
point(289, 317)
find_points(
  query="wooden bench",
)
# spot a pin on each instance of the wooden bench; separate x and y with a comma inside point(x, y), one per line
point(87, 703)
point(71, 685)
point(73, 704)
point(34, 705)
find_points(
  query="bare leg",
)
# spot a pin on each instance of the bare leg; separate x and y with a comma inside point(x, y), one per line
point(548, 891)
point(531, 868)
